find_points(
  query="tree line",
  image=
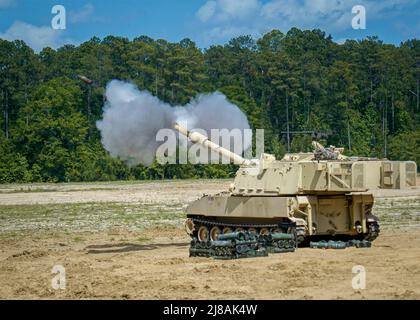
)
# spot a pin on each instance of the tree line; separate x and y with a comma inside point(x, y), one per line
point(362, 95)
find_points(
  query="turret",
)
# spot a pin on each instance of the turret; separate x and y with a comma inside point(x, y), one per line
point(326, 170)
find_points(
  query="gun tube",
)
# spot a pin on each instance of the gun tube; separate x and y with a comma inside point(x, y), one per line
point(196, 137)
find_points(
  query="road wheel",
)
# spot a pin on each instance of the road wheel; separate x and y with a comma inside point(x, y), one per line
point(264, 231)
point(203, 234)
point(214, 233)
point(252, 230)
point(227, 230)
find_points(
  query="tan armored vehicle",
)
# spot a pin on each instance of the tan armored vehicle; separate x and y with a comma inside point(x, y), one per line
point(320, 194)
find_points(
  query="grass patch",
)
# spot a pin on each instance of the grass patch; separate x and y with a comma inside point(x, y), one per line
point(396, 213)
point(87, 216)
point(91, 186)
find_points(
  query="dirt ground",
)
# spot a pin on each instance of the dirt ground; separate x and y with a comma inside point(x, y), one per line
point(151, 261)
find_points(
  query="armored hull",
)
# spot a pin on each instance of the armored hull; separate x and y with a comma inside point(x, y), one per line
point(342, 215)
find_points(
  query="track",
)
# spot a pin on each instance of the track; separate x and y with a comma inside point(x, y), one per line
point(214, 228)
point(208, 230)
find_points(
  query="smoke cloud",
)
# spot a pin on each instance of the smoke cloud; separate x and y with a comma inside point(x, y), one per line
point(132, 118)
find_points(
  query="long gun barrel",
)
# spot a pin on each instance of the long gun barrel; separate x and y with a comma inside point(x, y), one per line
point(197, 137)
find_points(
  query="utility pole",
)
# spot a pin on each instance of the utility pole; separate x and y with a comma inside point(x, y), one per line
point(6, 114)
point(156, 82)
point(89, 109)
point(416, 94)
point(393, 113)
point(386, 125)
point(348, 124)
point(89, 84)
point(348, 134)
point(287, 122)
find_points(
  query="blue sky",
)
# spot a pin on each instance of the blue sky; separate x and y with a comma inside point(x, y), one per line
point(206, 22)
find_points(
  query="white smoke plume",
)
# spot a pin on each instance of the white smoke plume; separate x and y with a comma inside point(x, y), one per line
point(132, 118)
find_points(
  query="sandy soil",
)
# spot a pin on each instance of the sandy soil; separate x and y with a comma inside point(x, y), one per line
point(99, 267)
point(153, 263)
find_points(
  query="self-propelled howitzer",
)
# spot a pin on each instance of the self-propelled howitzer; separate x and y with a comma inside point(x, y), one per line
point(322, 194)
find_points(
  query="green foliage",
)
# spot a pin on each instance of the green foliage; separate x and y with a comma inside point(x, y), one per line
point(405, 146)
point(13, 166)
point(365, 94)
point(301, 144)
